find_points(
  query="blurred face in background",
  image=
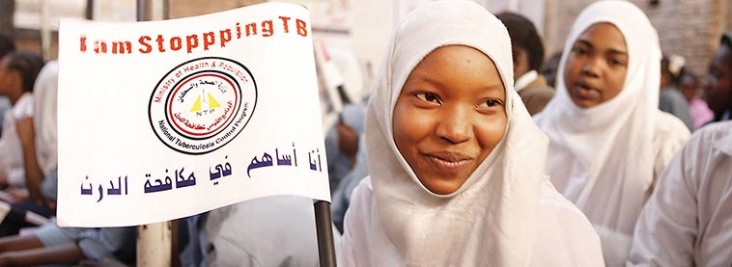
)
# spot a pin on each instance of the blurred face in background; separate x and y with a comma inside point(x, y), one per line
point(449, 116)
point(596, 66)
point(9, 78)
point(521, 63)
point(688, 86)
point(718, 82)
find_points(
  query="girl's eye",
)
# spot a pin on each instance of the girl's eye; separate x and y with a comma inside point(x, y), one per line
point(615, 62)
point(579, 50)
point(429, 97)
point(491, 103)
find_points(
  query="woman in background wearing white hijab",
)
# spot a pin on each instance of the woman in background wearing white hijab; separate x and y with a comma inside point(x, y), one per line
point(456, 164)
point(609, 141)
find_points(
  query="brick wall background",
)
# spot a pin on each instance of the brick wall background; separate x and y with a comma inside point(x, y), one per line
point(690, 28)
point(187, 8)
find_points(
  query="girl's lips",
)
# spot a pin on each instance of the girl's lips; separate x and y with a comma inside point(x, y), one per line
point(584, 91)
point(448, 163)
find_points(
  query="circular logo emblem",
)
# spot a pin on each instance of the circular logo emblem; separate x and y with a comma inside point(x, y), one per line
point(201, 105)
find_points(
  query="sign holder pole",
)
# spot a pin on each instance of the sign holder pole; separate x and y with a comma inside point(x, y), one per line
point(154, 246)
point(324, 228)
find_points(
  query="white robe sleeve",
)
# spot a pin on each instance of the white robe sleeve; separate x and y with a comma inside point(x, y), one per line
point(686, 222)
point(665, 233)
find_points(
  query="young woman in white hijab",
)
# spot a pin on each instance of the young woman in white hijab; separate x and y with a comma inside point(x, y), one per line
point(609, 141)
point(456, 163)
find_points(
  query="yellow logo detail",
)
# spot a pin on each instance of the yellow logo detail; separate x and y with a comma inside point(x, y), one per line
point(212, 103)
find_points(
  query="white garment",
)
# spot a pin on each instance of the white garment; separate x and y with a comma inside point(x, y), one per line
point(11, 150)
point(270, 231)
point(605, 158)
point(687, 220)
point(563, 238)
point(44, 118)
point(525, 80)
point(503, 215)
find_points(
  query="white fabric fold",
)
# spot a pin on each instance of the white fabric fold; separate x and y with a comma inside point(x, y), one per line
point(44, 118)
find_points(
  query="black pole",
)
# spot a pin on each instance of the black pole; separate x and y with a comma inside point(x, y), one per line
point(324, 227)
point(166, 9)
point(143, 10)
point(89, 12)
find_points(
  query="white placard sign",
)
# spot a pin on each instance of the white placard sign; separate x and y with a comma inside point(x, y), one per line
point(166, 119)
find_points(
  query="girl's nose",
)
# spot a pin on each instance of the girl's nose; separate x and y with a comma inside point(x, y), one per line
point(455, 126)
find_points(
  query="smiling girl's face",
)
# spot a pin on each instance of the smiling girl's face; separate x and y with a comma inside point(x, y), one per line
point(449, 116)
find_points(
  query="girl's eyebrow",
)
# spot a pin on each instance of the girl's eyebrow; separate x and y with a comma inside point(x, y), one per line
point(617, 52)
point(495, 87)
point(428, 79)
point(611, 50)
point(584, 42)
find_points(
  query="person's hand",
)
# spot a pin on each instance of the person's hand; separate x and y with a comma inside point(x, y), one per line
point(51, 204)
point(17, 195)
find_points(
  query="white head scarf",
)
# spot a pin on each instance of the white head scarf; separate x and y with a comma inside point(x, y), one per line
point(45, 97)
point(491, 218)
point(602, 158)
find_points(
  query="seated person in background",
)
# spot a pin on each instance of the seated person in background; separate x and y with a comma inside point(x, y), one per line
point(528, 54)
point(698, 109)
point(341, 143)
point(351, 152)
point(671, 100)
point(18, 168)
point(341, 197)
point(7, 45)
point(51, 244)
point(18, 72)
point(687, 220)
